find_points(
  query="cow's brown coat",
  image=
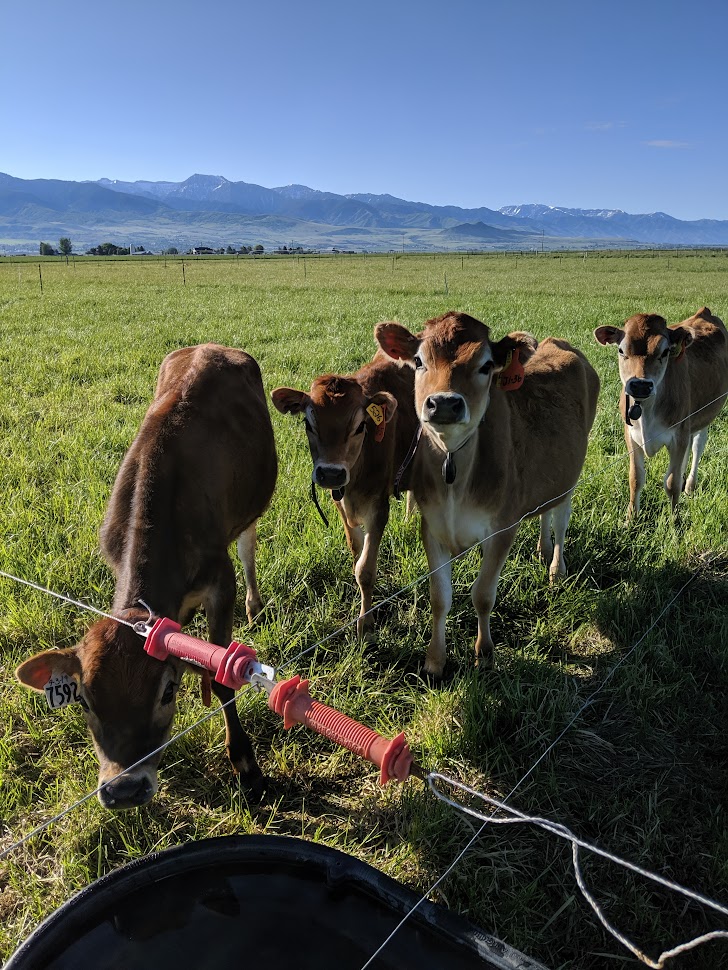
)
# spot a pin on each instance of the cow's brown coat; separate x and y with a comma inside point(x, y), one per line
point(517, 453)
point(342, 439)
point(199, 473)
point(689, 388)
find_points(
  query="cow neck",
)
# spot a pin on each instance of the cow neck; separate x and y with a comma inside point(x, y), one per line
point(449, 468)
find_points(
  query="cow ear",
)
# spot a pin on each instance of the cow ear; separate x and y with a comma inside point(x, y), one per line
point(680, 335)
point(608, 335)
point(385, 398)
point(38, 670)
point(396, 341)
point(288, 401)
point(524, 342)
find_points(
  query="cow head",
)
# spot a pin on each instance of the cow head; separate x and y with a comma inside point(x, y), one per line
point(336, 421)
point(128, 700)
point(646, 347)
point(455, 362)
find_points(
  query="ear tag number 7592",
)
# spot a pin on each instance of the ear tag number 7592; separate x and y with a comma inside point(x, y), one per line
point(61, 691)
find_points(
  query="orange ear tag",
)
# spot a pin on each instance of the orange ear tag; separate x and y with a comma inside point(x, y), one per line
point(677, 351)
point(378, 414)
point(511, 377)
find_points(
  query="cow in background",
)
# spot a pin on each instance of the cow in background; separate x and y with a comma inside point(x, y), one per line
point(674, 383)
point(505, 428)
point(198, 475)
point(359, 429)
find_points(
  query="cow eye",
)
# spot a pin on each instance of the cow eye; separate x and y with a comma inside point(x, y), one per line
point(168, 695)
point(83, 704)
point(307, 425)
point(418, 362)
point(486, 368)
point(360, 429)
point(664, 354)
point(621, 352)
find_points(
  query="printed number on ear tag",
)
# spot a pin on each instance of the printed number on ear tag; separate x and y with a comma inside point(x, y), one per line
point(61, 691)
point(375, 413)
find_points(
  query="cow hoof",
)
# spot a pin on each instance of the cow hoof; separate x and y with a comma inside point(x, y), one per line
point(433, 671)
point(253, 786)
point(690, 486)
point(253, 607)
point(366, 630)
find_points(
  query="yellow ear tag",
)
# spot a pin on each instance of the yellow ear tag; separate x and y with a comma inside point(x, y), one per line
point(511, 377)
point(376, 414)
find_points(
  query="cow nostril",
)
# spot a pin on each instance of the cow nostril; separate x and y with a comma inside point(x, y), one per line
point(430, 405)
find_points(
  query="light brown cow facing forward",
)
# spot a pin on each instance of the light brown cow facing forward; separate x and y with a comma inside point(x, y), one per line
point(359, 429)
point(674, 383)
point(198, 475)
point(490, 456)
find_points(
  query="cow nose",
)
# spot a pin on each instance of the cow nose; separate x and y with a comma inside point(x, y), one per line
point(639, 388)
point(330, 476)
point(444, 408)
point(128, 791)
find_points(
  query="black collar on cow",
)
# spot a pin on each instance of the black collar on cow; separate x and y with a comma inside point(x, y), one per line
point(632, 412)
point(407, 461)
point(337, 495)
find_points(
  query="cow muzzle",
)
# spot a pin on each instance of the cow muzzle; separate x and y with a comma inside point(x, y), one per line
point(128, 791)
point(331, 476)
point(639, 388)
point(445, 408)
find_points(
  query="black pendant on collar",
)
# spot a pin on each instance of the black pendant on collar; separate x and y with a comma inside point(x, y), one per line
point(631, 411)
point(448, 469)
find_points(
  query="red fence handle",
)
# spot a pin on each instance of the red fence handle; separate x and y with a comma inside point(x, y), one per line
point(291, 699)
point(231, 665)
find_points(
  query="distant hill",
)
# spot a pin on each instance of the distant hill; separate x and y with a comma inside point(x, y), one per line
point(212, 210)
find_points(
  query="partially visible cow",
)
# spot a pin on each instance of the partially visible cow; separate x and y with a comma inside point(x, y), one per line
point(199, 473)
point(674, 383)
point(359, 430)
point(490, 456)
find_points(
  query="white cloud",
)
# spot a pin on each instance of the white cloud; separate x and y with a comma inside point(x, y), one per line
point(666, 143)
point(604, 125)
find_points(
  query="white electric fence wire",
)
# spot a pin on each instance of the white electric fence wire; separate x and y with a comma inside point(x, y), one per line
point(530, 771)
point(66, 599)
point(291, 661)
point(556, 828)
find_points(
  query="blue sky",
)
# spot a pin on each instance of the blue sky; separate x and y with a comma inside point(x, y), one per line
point(608, 104)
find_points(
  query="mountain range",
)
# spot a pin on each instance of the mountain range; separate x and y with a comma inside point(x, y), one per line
point(213, 211)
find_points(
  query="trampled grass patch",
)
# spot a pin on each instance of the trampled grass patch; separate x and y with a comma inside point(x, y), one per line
point(643, 770)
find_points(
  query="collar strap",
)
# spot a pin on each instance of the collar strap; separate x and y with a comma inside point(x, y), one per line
point(407, 461)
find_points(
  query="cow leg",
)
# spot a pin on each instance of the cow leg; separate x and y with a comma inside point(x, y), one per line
point(636, 475)
point(219, 604)
point(698, 447)
point(440, 568)
point(561, 515)
point(678, 451)
point(354, 534)
point(545, 542)
point(365, 569)
point(246, 552)
point(484, 589)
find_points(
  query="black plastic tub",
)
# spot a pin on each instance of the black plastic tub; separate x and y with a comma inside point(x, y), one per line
point(255, 901)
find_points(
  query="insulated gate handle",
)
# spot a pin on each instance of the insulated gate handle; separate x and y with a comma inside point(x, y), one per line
point(231, 666)
point(291, 699)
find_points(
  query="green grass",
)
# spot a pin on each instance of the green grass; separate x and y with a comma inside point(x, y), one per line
point(643, 771)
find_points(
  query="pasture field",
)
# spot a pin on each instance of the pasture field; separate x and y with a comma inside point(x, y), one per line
point(643, 771)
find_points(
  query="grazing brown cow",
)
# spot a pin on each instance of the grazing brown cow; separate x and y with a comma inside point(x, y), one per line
point(359, 430)
point(488, 458)
point(677, 377)
point(199, 473)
